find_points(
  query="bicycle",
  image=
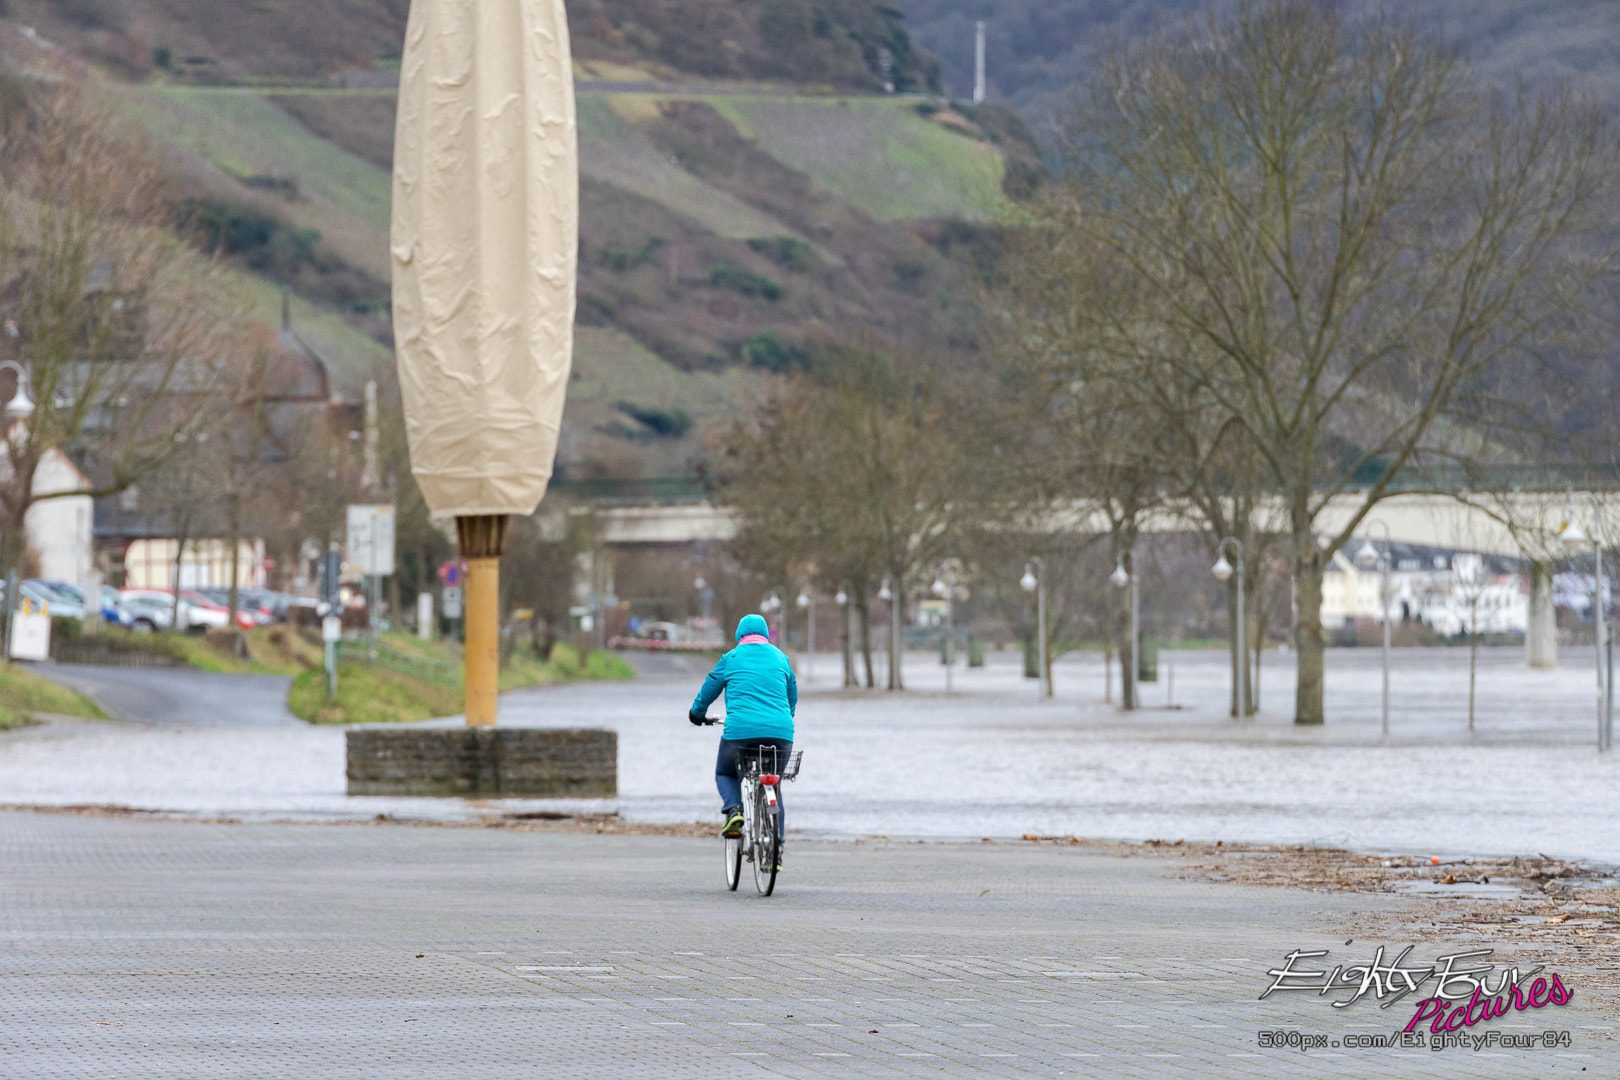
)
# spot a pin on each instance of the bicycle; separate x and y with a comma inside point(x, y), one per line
point(761, 839)
point(760, 842)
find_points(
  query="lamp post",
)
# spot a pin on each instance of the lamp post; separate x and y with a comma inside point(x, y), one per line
point(706, 595)
point(20, 407)
point(1368, 556)
point(771, 603)
point(842, 600)
point(1034, 581)
point(945, 586)
point(1574, 539)
point(1223, 572)
point(808, 602)
point(1121, 578)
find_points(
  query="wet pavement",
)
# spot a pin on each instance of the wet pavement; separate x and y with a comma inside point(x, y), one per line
point(990, 759)
point(182, 949)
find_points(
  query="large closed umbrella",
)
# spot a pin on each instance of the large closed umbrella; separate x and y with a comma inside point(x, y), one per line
point(485, 236)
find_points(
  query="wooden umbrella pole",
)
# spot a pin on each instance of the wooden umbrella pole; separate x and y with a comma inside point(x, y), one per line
point(482, 539)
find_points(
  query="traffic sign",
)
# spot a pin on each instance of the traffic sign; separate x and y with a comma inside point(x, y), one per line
point(371, 540)
point(452, 601)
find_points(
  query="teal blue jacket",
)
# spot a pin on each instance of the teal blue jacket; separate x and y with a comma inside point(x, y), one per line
point(757, 679)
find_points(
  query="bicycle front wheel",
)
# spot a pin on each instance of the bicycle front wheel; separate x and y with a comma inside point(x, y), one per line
point(734, 849)
point(765, 847)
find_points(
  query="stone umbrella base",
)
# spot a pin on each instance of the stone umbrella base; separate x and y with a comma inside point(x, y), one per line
point(487, 762)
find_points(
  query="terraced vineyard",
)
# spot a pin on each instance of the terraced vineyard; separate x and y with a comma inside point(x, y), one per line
point(725, 236)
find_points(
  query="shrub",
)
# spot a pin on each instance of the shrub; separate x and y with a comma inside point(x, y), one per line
point(767, 350)
point(664, 423)
point(745, 282)
point(783, 250)
point(565, 658)
point(94, 14)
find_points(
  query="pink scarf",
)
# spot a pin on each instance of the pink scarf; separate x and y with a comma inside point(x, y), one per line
point(753, 639)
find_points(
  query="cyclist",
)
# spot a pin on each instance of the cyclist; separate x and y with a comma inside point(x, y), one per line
point(761, 699)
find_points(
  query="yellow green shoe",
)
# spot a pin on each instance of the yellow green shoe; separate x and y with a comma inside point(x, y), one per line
point(734, 822)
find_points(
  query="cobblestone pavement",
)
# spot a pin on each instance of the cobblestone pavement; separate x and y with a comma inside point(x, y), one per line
point(170, 949)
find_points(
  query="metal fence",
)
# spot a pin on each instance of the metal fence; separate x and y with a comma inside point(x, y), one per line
point(354, 651)
point(109, 654)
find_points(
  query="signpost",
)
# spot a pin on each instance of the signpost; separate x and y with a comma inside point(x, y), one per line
point(331, 634)
point(30, 635)
point(370, 550)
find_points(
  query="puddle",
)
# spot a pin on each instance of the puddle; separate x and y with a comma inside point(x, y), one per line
point(1467, 890)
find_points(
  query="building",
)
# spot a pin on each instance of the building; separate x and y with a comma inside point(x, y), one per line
point(136, 535)
point(60, 529)
point(1450, 592)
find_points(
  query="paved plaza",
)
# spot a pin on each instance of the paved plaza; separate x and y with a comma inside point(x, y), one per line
point(185, 949)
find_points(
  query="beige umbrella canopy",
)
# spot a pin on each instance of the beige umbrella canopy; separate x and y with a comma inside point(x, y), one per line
point(485, 236)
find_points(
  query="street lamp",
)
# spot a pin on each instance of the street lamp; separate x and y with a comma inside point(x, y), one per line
point(1369, 556)
point(768, 605)
point(1121, 578)
point(808, 602)
point(706, 594)
point(1034, 581)
point(1223, 572)
point(20, 407)
point(1575, 538)
point(945, 586)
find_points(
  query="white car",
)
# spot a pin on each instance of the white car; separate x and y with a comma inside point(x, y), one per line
point(153, 609)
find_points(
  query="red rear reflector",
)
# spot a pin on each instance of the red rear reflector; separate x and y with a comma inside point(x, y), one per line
point(770, 779)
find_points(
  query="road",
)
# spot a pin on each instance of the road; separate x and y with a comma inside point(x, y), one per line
point(182, 697)
point(167, 949)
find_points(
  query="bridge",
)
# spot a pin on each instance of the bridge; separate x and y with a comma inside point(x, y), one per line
point(1518, 524)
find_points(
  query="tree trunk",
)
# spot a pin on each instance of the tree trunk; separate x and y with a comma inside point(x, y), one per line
point(848, 632)
point(865, 608)
point(1309, 642)
point(179, 558)
point(1473, 658)
point(236, 569)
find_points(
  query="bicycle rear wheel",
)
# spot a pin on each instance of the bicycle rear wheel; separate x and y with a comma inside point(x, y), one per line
point(765, 843)
point(733, 849)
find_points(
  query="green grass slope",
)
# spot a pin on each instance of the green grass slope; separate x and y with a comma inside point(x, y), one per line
point(878, 155)
point(248, 139)
point(24, 695)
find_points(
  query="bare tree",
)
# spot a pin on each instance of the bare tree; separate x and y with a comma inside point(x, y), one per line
point(849, 475)
point(122, 331)
point(1351, 253)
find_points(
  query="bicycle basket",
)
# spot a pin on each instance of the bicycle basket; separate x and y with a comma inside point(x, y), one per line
point(766, 760)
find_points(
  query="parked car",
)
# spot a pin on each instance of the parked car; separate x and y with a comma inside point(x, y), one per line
point(41, 594)
point(112, 611)
point(244, 619)
point(148, 613)
point(196, 613)
point(249, 612)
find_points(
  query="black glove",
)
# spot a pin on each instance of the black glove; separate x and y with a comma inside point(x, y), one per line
point(699, 719)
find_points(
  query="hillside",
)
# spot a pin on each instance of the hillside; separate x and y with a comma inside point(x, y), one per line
point(851, 45)
point(1036, 49)
point(730, 230)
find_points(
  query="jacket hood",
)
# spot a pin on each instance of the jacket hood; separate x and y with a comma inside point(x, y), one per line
point(752, 624)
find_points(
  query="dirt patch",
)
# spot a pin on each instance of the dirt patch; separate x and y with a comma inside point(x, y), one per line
point(1536, 909)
